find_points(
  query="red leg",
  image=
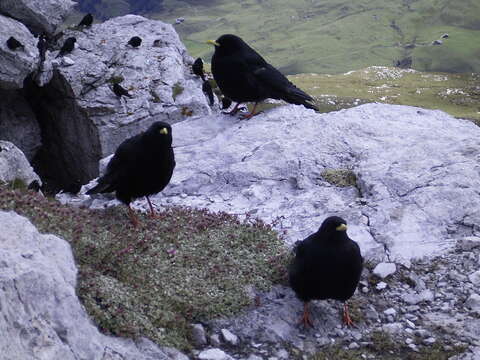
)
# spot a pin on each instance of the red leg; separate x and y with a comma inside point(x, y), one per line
point(133, 217)
point(152, 211)
point(305, 319)
point(347, 321)
point(252, 114)
point(234, 110)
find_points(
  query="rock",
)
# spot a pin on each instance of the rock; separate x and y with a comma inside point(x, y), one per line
point(353, 346)
point(18, 123)
point(215, 340)
point(414, 298)
point(429, 341)
point(16, 65)
point(473, 302)
point(174, 354)
point(475, 278)
point(254, 357)
point(214, 354)
point(390, 311)
point(42, 318)
point(393, 329)
point(381, 285)
point(468, 243)
point(198, 335)
point(437, 42)
point(282, 354)
point(38, 15)
point(88, 120)
point(230, 338)
point(14, 165)
point(383, 270)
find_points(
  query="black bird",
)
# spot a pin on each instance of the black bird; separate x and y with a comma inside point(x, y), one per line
point(327, 265)
point(207, 89)
point(135, 41)
point(244, 76)
point(142, 166)
point(226, 102)
point(14, 44)
point(87, 21)
point(67, 46)
point(197, 68)
point(120, 91)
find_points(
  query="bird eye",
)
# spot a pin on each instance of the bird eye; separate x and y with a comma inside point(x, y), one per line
point(164, 131)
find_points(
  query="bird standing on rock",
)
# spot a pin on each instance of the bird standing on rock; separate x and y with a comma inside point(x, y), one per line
point(327, 265)
point(120, 91)
point(135, 41)
point(14, 44)
point(141, 166)
point(244, 76)
point(87, 21)
point(197, 68)
point(67, 46)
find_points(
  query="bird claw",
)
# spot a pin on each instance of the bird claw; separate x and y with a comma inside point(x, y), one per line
point(305, 320)
point(347, 321)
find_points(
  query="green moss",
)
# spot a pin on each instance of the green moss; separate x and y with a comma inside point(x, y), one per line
point(184, 266)
point(116, 79)
point(17, 184)
point(177, 89)
point(339, 177)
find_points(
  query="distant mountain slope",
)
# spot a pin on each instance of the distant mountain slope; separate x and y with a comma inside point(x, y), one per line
point(334, 36)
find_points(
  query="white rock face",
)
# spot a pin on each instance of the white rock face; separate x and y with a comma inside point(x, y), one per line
point(39, 15)
point(16, 65)
point(383, 270)
point(214, 354)
point(14, 165)
point(41, 315)
point(475, 278)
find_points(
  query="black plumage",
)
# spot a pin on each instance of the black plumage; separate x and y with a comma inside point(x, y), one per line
point(142, 166)
point(14, 44)
point(226, 102)
point(244, 76)
point(87, 20)
point(120, 91)
point(197, 68)
point(42, 46)
point(207, 89)
point(67, 46)
point(327, 265)
point(135, 41)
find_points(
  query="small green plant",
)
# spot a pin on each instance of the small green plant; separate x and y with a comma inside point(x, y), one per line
point(339, 177)
point(116, 79)
point(177, 89)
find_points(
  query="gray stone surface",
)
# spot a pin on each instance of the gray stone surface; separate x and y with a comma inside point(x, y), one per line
point(14, 165)
point(383, 270)
point(38, 15)
point(42, 317)
point(18, 123)
point(16, 65)
point(214, 354)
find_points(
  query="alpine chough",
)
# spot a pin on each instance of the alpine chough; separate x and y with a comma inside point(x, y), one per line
point(86, 21)
point(197, 68)
point(142, 165)
point(67, 46)
point(327, 265)
point(14, 44)
point(120, 91)
point(135, 41)
point(244, 76)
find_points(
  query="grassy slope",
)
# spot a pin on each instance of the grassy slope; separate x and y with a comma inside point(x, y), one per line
point(185, 266)
point(335, 36)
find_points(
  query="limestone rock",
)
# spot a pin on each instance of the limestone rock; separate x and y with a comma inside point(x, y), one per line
point(39, 15)
point(383, 270)
point(42, 317)
point(18, 123)
point(14, 165)
point(214, 354)
point(16, 65)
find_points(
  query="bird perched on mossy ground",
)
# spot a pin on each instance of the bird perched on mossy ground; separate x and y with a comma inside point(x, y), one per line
point(67, 46)
point(135, 41)
point(197, 68)
point(87, 21)
point(14, 44)
point(244, 76)
point(120, 91)
point(327, 265)
point(141, 166)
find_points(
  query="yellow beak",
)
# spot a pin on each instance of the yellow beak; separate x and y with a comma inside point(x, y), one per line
point(213, 42)
point(164, 131)
point(341, 227)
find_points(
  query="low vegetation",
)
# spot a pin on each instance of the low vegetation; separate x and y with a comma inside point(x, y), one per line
point(183, 266)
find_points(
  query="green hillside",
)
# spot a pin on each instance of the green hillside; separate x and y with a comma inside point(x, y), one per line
point(335, 36)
